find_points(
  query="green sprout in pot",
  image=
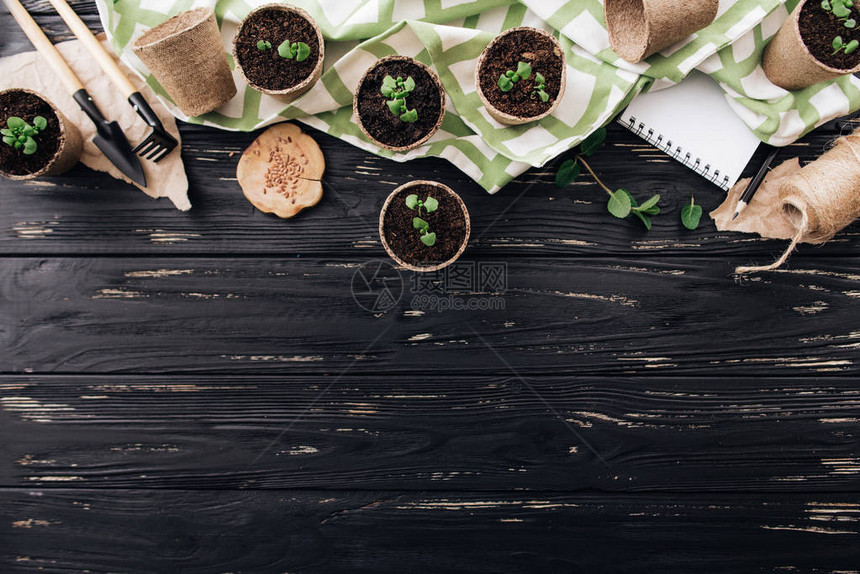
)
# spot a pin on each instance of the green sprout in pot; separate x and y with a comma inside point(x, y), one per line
point(841, 9)
point(839, 45)
point(539, 90)
point(510, 77)
point(397, 90)
point(264, 45)
point(429, 205)
point(298, 50)
point(19, 134)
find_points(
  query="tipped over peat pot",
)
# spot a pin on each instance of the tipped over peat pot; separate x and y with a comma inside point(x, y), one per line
point(801, 53)
point(640, 28)
point(449, 222)
point(375, 116)
point(522, 103)
point(260, 51)
point(58, 144)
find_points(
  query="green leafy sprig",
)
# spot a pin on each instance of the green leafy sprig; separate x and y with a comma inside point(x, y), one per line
point(398, 89)
point(298, 50)
point(621, 203)
point(19, 134)
point(691, 214)
point(429, 205)
point(510, 77)
point(539, 89)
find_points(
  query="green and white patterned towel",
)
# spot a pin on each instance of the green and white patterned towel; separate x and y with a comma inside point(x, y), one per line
point(449, 35)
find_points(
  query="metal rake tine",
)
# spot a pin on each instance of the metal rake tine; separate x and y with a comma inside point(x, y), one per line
point(145, 146)
point(162, 155)
point(155, 151)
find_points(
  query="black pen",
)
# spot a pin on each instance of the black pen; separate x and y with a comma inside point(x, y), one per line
point(754, 184)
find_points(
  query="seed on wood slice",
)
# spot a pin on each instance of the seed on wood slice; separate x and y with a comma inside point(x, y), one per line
point(280, 172)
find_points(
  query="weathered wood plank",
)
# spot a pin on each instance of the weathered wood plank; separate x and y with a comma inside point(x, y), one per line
point(420, 432)
point(87, 213)
point(144, 315)
point(380, 532)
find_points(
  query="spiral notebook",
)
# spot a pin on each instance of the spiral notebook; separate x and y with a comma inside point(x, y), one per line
point(693, 123)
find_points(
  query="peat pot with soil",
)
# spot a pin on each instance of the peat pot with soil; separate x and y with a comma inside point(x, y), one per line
point(279, 50)
point(521, 76)
point(819, 41)
point(37, 138)
point(424, 226)
point(399, 103)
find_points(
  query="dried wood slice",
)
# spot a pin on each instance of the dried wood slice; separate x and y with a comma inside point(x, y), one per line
point(280, 171)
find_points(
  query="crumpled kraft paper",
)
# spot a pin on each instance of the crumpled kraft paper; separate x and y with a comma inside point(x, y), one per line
point(764, 214)
point(28, 70)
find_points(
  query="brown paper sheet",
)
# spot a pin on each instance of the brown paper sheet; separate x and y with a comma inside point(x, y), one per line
point(28, 70)
point(764, 214)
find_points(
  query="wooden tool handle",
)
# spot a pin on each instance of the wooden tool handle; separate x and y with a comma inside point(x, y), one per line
point(44, 46)
point(94, 47)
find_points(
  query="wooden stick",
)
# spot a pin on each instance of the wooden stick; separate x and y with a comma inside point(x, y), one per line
point(94, 47)
point(44, 46)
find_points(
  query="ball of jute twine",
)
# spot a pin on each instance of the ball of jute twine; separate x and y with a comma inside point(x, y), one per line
point(186, 56)
point(821, 199)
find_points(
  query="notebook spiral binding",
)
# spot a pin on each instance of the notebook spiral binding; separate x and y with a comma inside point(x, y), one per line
point(676, 152)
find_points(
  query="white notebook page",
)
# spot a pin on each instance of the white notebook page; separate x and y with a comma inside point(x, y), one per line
point(693, 123)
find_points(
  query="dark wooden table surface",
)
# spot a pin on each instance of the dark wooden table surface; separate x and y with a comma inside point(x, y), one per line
point(200, 392)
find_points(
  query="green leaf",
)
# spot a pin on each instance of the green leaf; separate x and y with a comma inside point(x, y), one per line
point(263, 45)
point(9, 140)
point(840, 11)
point(619, 204)
point(691, 214)
point(590, 144)
point(409, 84)
point(40, 123)
point(539, 79)
point(850, 23)
point(852, 45)
point(509, 74)
point(302, 52)
point(544, 97)
point(524, 70)
point(431, 204)
point(412, 201)
point(15, 123)
point(30, 146)
point(29, 131)
point(649, 204)
point(826, 5)
point(409, 117)
point(285, 51)
point(837, 42)
point(567, 172)
point(429, 239)
point(396, 106)
point(7, 132)
point(419, 223)
point(651, 211)
point(645, 219)
point(505, 84)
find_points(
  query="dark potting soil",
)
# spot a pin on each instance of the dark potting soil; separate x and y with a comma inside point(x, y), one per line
point(28, 106)
point(378, 120)
point(267, 68)
point(819, 27)
point(448, 222)
point(521, 46)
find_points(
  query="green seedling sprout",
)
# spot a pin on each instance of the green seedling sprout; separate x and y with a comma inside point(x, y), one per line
point(429, 205)
point(19, 134)
point(621, 203)
point(842, 10)
point(264, 45)
point(397, 90)
point(539, 90)
point(509, 78)
point(298, 50)
point(691, 214)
